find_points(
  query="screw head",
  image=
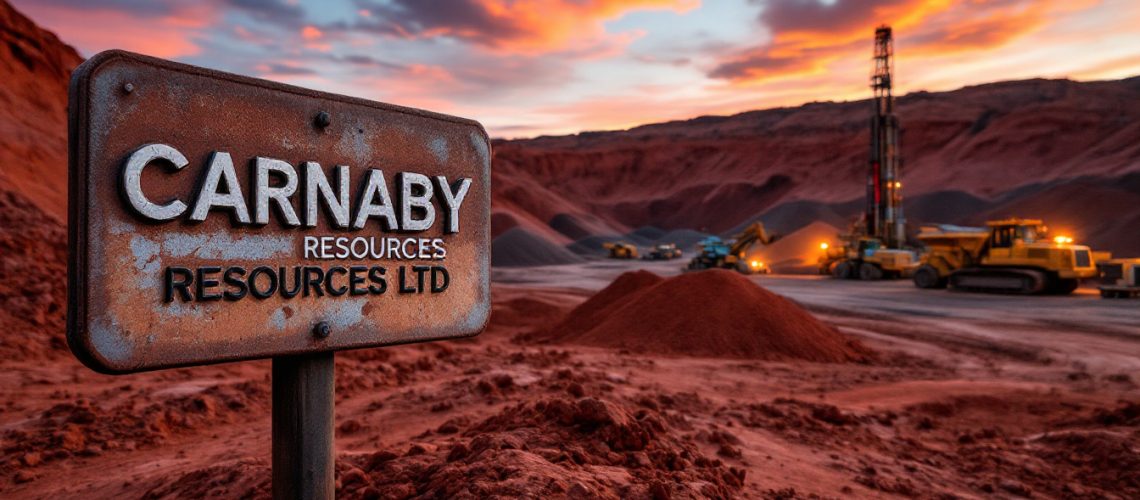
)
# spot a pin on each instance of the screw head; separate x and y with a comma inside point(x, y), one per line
point(128, 87)
point(322, 120)
point(321, 330)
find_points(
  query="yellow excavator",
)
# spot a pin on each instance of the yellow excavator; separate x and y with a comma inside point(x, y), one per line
point(1007, 256)
point(621, 250)
point(712, 252)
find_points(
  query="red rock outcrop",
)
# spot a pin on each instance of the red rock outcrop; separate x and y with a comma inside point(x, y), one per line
point(33, 111)
point(996, 142)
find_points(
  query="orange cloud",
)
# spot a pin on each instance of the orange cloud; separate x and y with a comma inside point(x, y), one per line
point(808, 37)
point(548, 25)
point(511, 27)
point(311, 33)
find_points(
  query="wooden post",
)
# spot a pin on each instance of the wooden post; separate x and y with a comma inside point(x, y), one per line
point(303, 390)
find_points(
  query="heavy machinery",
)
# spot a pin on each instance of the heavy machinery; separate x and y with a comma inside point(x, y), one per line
point(712, 252)
point(663, 251)
point(875, 247)
point(1006, 256)
point(621, 250)
point(1119, 278)
point(884, 214)
point(866, 258)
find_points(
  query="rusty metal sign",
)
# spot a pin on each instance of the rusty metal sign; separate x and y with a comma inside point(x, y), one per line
point(215, 217)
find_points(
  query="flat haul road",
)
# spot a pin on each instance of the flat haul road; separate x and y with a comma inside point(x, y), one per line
point(1091, 333)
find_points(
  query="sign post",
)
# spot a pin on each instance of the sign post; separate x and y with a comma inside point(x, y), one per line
point(215, 217)
point(303, 394)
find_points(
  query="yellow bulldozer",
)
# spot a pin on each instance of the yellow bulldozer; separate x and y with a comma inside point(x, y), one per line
point(621, 250)
point(1007, 256)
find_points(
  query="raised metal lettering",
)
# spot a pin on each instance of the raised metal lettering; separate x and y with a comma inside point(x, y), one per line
point(453, 197)
point(376, 188)
point(132, 181)
point(409, 200)
point(221, 167)
point(337, 203)
point(263, 192)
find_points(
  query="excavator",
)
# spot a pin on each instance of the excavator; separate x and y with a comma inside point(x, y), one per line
point(1007, 256)
point(713, 253)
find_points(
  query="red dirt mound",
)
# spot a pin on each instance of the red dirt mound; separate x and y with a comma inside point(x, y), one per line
point(709, 314)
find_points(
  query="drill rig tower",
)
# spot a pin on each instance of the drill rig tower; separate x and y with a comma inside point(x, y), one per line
point(884, 216)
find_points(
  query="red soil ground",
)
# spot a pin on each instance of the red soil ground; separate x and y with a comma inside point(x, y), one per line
point(487, 416)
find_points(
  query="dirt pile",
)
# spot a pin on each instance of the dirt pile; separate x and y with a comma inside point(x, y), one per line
point(33, 280)
point(798, 251)
point(518, 247)
point(558, 446)
point(713, 313)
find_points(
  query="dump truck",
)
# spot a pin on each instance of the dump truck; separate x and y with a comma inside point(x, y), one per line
point(1007, 256)
point(621, 250)
point(713, 252)
point(663, 251)
point(1119, 278)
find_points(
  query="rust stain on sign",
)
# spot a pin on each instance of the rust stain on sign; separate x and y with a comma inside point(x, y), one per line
point(215, 217)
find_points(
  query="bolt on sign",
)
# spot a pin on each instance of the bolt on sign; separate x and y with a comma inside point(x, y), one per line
point(215, 217)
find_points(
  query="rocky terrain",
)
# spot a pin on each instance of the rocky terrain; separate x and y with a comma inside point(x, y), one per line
point(1067, 152)
point(592, 383)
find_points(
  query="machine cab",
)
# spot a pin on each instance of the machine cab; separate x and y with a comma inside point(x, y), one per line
point(867, 247)
point(1026, 243)
point(1006, 234)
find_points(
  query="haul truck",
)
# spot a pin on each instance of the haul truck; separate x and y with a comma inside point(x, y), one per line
point(1119, 278)
point(1006, 256)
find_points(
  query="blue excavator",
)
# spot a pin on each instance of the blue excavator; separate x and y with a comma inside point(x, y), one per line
point(715, 253)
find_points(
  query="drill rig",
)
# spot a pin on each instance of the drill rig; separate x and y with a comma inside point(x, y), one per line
point(874, 248)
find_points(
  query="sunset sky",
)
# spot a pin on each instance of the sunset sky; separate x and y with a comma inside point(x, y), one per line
point(525, 68)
